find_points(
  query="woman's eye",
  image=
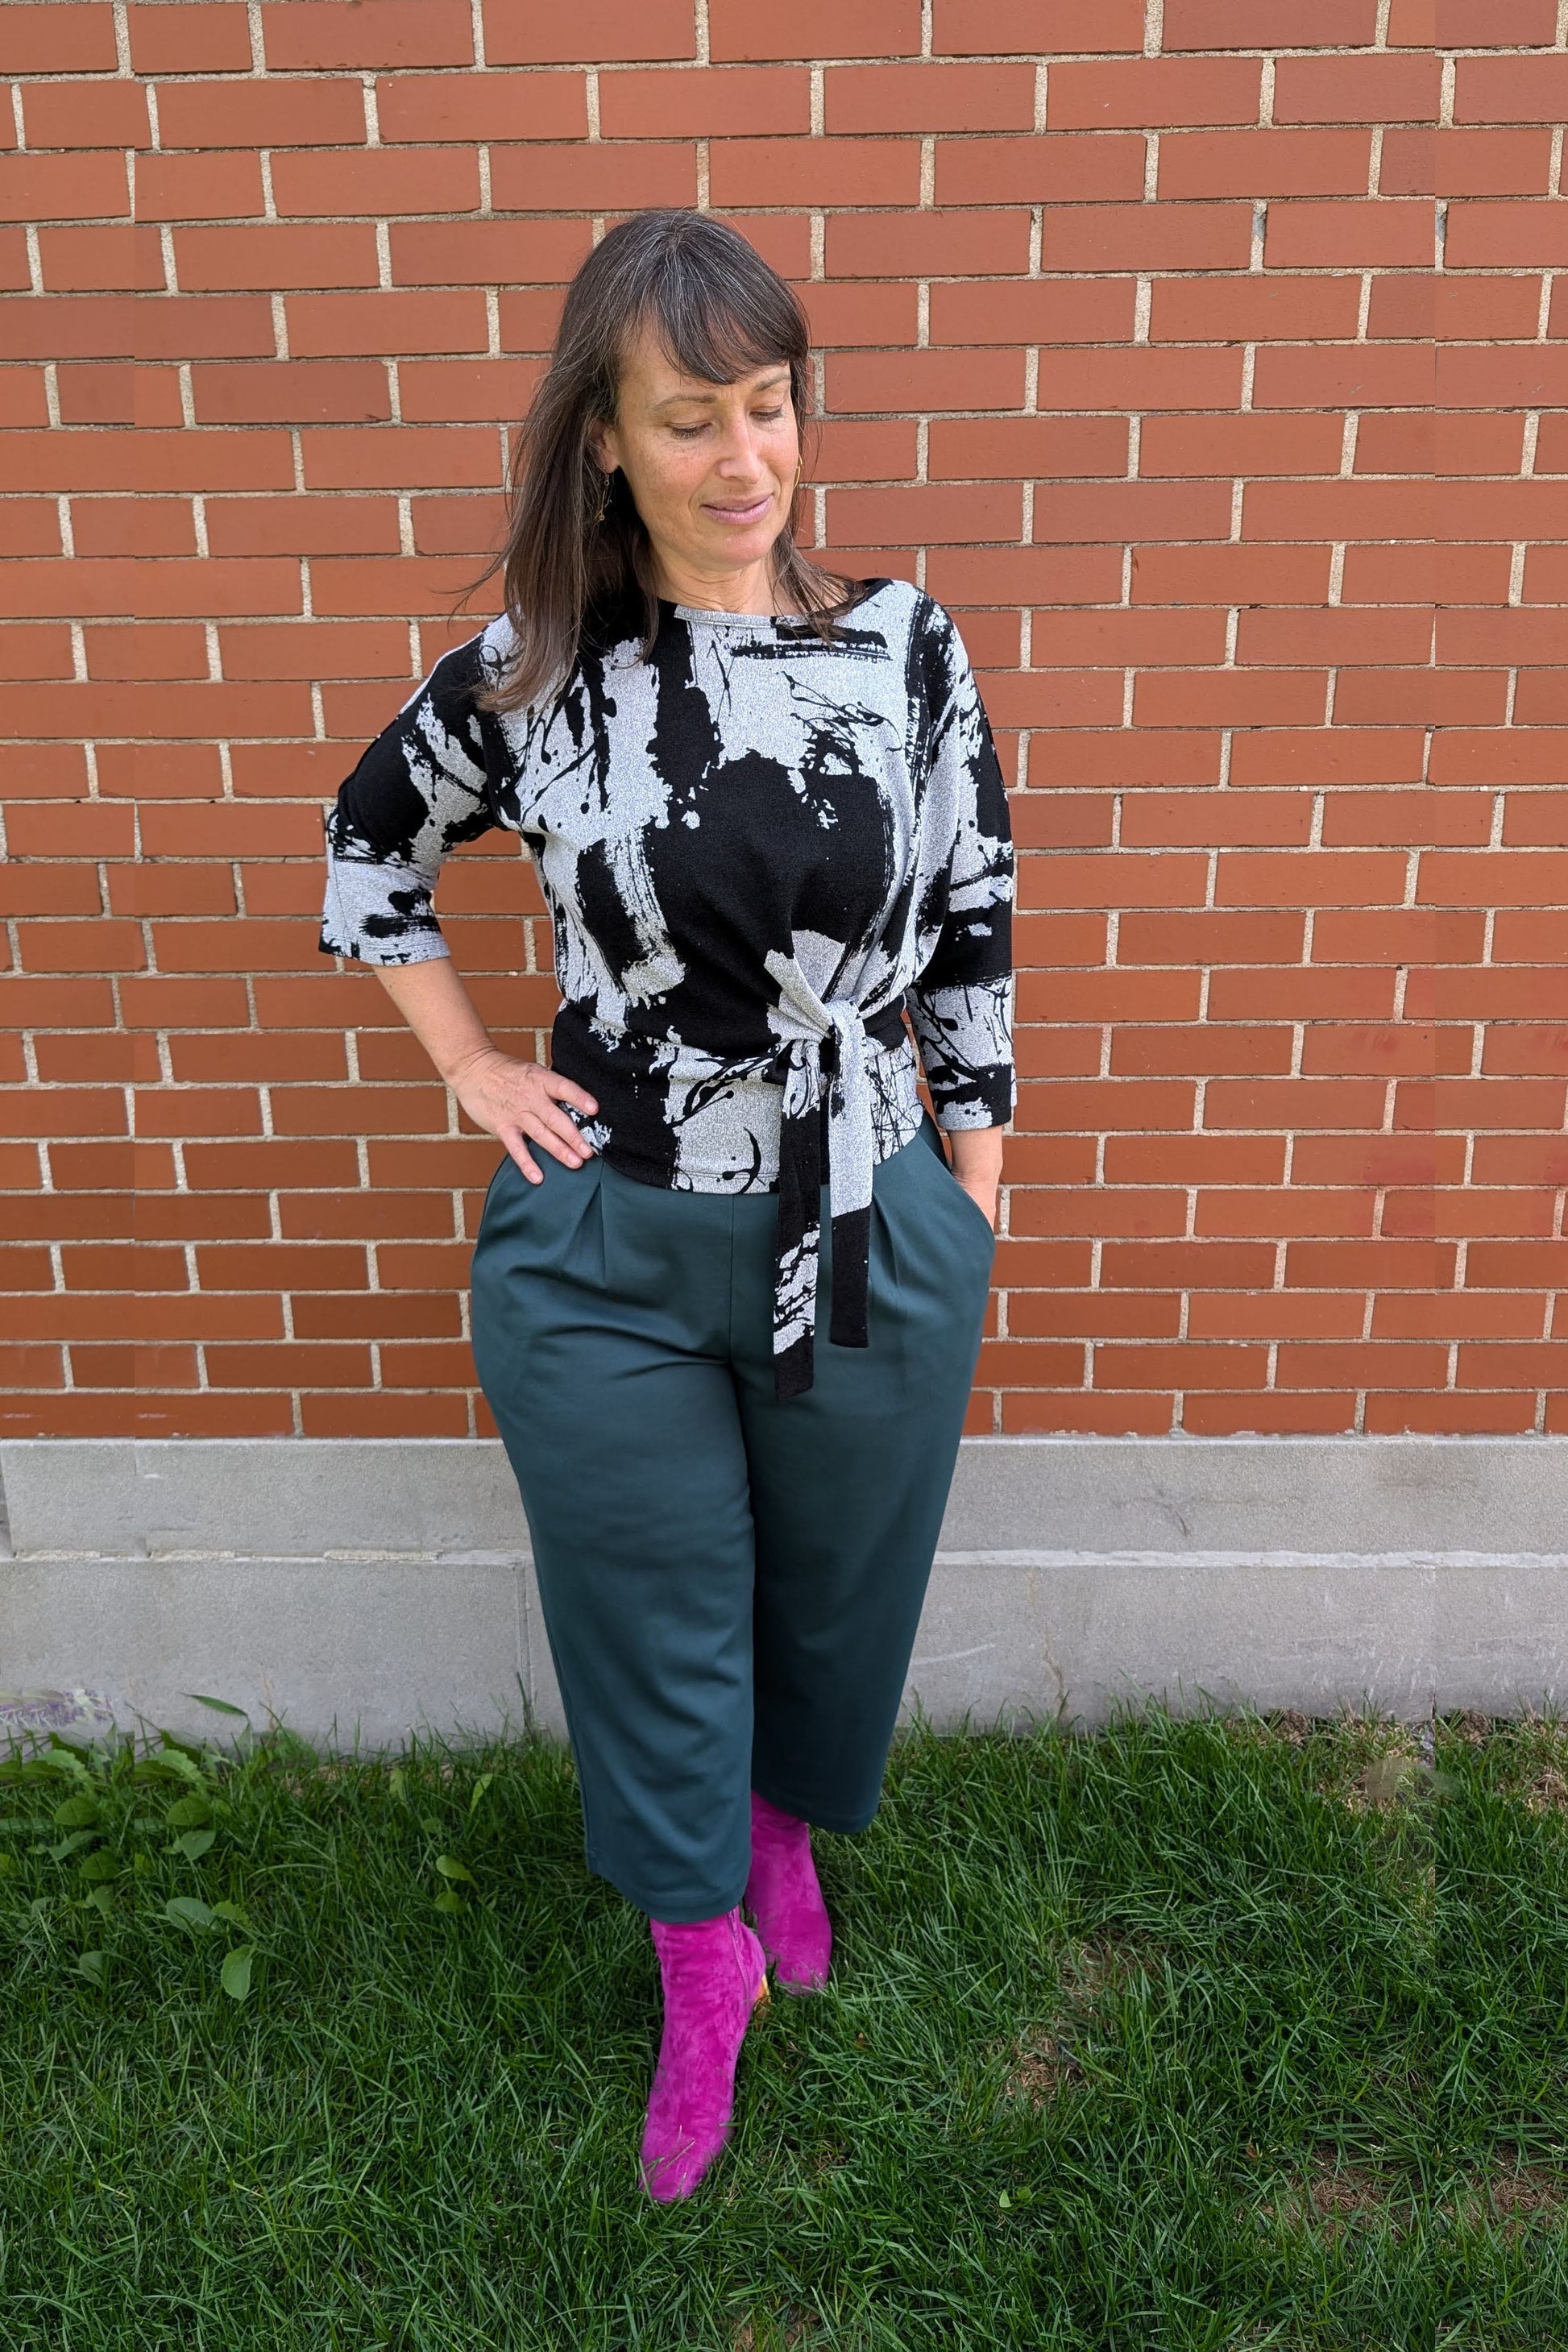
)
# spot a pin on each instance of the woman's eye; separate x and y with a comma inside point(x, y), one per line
point(685, 432)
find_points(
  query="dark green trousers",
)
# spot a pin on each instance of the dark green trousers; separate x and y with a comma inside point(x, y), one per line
point(730, 1586)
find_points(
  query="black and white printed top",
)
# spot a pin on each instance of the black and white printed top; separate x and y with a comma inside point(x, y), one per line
point(756, 851)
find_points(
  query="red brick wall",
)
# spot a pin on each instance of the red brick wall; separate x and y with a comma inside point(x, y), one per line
point(1132, 351)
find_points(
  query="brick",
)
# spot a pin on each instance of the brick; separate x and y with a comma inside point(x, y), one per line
point(1510, 89)
point(1271, 1416)
point(505, 107)
point(762, 170)
point(1502, 235)
point(1393, 1049)
point(860, 381)
point(1131, 1366)
point(1276, 1315)
point(1405, 443)
point(1090, 1315)
point(1007, 169)
point(1091, 1210)
point(946, 243)
point(1143, 379)
point(1195, 1158)
point(1463, 1212)
point(1227, 697)
point(1201, 1051)
point(1346, 639)
point(1210, 937)
point(1126, 757)
point(1068, 448)
point(1083, 513)
point(1448, 1414)
point(1544, 1365)
point(1269, 23)
point(1145, 237)
point(1406, 309)
point(206, 36)
point(1420, 1315)
point(61, 38)
point(1353, 375)
point(274, 112)
point(1493, 878)
point(1400, 819)
point(1512, 637)
point(1309, 879)
point(382, 183)
point(1231, 445)
point(1363, 1160)
point(1299, 993)
point(1496, 756)
point(1479, 1102)
point(269, 256)
point(1387, 233)
point(1268, 164)
point(1181, 1265)
point(1398, 935)
point(1125, 1416)
point(990, 26)
point(879, 28)
point(1466, 163)
point(1517, 1265)
point(1106, 995)
point(1043, 310)
point(1475, 24)
point(1530, 938)
point(1290, 1102)
point(1406, 575)
point(923, 98)
point(1152, 93)
point(1387, 89)
point(82, 116)
point(1405, 1365)
point(1236, 575)
point(1144, 638)
point(1531, 821)
point(1273, 1215)
point(1216, 819)
point(1253, 309)
point(1122, 879)
point(1371, 1265)
point(363, 35)
point(708, 101)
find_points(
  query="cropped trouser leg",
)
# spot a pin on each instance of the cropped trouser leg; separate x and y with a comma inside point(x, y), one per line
point(731, 1586)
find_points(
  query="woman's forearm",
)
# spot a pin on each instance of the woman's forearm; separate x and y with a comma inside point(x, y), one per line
point(432, 998)
point(976, 1154)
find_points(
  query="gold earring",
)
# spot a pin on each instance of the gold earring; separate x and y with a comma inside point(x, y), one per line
point(603, 498)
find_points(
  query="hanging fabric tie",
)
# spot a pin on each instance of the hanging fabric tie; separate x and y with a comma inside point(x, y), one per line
point(823, 1056)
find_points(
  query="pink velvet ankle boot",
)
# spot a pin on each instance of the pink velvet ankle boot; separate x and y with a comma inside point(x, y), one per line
point(715, 1972)
point(785, 1899)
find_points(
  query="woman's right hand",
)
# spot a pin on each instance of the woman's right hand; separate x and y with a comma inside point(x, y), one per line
point(518, 1102)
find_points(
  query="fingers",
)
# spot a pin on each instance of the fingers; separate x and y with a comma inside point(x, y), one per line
point(523, 1157)
point(565, 1090)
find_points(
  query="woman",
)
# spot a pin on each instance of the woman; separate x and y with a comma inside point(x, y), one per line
point(767, 816)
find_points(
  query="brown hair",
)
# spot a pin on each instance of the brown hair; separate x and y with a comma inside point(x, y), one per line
point(719, 309)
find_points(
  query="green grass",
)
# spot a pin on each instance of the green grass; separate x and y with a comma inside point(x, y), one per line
point(1191, 2034)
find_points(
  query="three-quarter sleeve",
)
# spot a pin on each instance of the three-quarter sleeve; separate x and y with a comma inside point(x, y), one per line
point(961, 1001)
point(419, 789)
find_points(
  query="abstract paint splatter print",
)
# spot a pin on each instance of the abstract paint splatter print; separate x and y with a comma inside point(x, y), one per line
point(758, 852)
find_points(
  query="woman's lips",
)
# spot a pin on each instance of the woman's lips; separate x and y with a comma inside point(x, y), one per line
point(753, 513)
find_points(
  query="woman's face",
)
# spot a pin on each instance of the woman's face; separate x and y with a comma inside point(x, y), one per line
point(711, 467)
